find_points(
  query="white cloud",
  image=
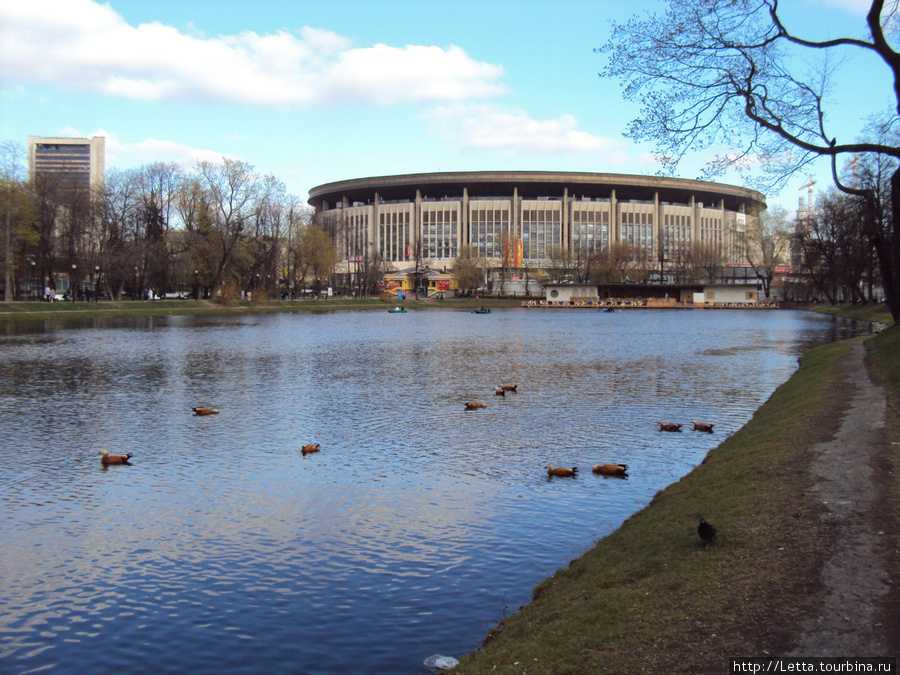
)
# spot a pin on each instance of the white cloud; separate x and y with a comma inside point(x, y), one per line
point(487, 127)
point(153, 150)
point(86, 46)
point(148, 151)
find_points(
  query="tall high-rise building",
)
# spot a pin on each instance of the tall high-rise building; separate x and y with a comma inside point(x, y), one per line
point(78, 163)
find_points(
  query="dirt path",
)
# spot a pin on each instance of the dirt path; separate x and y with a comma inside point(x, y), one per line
point(846, 476)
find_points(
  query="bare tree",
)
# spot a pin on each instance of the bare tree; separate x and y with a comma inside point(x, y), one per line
point(731, 72)
point(468, 268)
point(834, 250)
point(336, 228)
point(704, 261)
point(761, 245)
point(563, 264)
point(161, 184)
point(314, 256)
point(620, 262)
point(582, 257)
point(16, 210)
point(268, 222)
point(119, 255)
point(231, 188)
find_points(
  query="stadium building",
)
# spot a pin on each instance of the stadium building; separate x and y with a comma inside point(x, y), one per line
point(517, 218)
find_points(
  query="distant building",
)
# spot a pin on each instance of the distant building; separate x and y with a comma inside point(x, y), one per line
point(68, 171)
point(517, 219)
point(587, 296)
point(74, 163)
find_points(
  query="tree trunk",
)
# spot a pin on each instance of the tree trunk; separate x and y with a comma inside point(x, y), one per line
point(7, 291)
point(887, 247)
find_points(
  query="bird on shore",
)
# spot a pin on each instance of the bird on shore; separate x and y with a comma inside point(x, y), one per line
point(561, 471)
point(309, 447)
point(205, 411)
point(475, 406)
point(509, 387)
point(107, 459)
point(702, 426)
point(611, 469)
point(707, 531)
point(669, 426)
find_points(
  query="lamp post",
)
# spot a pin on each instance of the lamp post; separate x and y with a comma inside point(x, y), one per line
point(97, 283)
point(197, 282)
point(30, 274)
point(72, 282)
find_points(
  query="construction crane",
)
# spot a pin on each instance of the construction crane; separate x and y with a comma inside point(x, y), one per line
point(809, 184)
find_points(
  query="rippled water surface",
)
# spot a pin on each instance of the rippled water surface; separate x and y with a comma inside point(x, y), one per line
point(415, 528)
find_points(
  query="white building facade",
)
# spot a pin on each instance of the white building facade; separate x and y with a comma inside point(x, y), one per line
point(517, 219)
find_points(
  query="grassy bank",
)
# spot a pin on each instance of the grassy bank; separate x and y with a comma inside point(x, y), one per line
point(877, 312)
point(651, 598)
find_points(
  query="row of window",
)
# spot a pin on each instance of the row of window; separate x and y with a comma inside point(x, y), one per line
point(541, 231)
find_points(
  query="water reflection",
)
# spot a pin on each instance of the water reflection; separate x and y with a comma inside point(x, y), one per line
point(417, 525)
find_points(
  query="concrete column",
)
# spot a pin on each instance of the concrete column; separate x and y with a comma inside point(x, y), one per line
point(726, 235)
point(613, 218)
point(465, 230)
point(695, 222)
point(657, 227)
point(514, 217)
point(376, 226)
point(415, 218)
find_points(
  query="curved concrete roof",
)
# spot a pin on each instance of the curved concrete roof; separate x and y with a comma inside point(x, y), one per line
point(532, 184)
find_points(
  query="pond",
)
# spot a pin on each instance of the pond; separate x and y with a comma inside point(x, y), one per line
point(415, 528)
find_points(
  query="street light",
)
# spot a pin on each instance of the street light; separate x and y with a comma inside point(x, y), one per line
point(30, 274)
point(97, 283)
point(197, 282)
point(72, 282)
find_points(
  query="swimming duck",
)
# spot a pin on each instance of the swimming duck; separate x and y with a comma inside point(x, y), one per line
point(475, 406)
point(509, 387)
point(205, 411)
point(669, 426)
point(702, 426)
point(562, 471)
point(611, 469)
point(106, 458)
point(499, 392)
point(309, 447)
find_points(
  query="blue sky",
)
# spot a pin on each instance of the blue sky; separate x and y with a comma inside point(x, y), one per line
point(315, 92)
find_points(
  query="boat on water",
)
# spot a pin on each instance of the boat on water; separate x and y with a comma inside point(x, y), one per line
point(607, 309)
point(397, 310)
point(481, 310)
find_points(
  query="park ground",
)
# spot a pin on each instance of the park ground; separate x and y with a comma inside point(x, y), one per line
point(806, 498)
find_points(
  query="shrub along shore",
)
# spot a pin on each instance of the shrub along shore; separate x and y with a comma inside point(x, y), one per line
point(650, 597)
